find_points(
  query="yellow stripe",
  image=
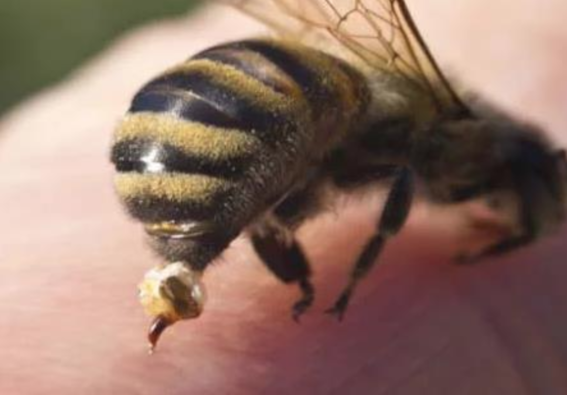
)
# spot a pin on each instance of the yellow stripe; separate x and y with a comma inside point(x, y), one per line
point(243, 85)
point(190, 137)
point(193, 188)
point(256, 61)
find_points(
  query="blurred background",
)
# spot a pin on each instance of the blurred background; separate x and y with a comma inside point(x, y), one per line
point(42, 41)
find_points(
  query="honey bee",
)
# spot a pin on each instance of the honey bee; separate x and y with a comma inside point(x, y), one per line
point(255, 136)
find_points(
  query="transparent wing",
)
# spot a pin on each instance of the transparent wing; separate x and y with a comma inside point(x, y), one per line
point(381, 33)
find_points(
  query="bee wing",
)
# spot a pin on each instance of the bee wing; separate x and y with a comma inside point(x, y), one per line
point(381, 33)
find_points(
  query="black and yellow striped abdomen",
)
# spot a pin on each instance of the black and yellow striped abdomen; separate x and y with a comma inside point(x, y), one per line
point(225, 134)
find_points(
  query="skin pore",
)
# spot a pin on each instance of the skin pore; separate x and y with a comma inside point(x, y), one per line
point(71, 259)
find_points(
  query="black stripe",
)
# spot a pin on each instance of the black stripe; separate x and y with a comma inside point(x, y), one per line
point(150, 209)
point(191, 108)
point(249, 116)
point(225, 55)
point(127, 157)
point(308, 79)
point(198, 252)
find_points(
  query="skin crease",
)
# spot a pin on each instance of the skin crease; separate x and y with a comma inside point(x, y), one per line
point(71, 259)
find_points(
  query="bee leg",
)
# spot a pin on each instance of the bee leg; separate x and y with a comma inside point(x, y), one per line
point(286, 260)
point(394, 214)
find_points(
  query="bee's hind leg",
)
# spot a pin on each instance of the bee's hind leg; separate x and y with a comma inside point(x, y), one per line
point(393, 217)
point(283, 255)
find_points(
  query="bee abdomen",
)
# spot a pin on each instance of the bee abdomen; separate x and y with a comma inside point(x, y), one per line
point(172, 169)
point(215, 94)
point(141, 155)
point(325, 82)
point(171, 196)
point(187, 105)
point(222, 135)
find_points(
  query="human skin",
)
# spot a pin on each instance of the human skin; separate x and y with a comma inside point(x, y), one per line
point(71, 259)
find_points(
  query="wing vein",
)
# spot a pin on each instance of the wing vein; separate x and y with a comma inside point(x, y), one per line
point(379, 33)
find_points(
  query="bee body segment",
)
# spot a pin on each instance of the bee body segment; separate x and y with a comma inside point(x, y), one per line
point(224, 135)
